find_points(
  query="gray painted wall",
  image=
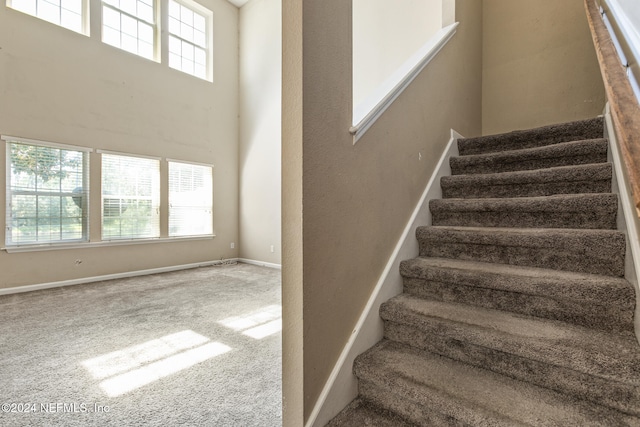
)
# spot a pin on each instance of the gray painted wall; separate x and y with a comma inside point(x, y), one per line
point(64, 87)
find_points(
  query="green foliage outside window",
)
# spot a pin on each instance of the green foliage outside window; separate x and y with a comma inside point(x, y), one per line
point(46, 194)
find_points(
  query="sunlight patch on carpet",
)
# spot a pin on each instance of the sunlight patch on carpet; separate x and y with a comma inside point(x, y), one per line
point(257, 324)
point(265, 330)
point(133, 367)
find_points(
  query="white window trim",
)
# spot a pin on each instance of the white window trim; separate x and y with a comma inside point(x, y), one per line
point(34, 142)
point(103, 243)
point(86, 26)
point(40, 143)
point(120, 153)
point(169, 196)
point(208, 16)
point(187, 162)
point(157, 29)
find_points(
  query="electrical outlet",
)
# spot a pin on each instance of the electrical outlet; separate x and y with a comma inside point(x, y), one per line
point(233, 245)
point(272, 249)
point(419, 156)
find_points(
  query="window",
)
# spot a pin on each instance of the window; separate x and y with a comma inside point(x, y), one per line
point(130, 25)
point(65, 13)
point(189, 38)
point(47, 193)
point(190, 199)
point(130, 197)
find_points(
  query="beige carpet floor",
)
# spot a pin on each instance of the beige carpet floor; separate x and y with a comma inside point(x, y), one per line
point(199, 347)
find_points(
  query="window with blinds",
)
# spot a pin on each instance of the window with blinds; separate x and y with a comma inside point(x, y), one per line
point(190, 199)
point(47, 193)
point(130, 197)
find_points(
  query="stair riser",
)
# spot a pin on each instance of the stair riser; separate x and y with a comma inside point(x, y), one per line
point(586, 254)
point(555, 134)
point(623, 397)
point(462, 166)
point(605, 317)
point(548, 219)
point(537, 189)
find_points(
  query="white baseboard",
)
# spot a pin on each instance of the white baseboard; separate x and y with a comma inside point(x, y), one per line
point(341, 387)
point(37, 287)
point(260, 263)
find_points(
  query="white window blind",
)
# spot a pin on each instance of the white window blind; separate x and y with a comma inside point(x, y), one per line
point(65, 13)
point(130, 25)
point(188, 39)
point(47, 194)
point(130, 197)
point(190, 199)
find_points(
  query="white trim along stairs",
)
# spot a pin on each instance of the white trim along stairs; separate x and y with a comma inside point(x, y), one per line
point(516, 310)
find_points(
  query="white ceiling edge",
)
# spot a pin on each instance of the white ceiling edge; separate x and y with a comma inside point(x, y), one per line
point(238, 3)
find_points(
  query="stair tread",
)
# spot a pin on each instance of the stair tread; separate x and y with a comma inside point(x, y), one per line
point(517, 159)
point(540, 136)
point(522, 279)
point(514, 236)
point(558, 203)
point(578, 211)
point(474, 396)
point(573, 179)
point(582, 250)
point(361, 414)
point(564, 173)
point(611, 356)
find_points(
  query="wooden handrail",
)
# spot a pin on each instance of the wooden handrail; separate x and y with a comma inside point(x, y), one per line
point(625, 110)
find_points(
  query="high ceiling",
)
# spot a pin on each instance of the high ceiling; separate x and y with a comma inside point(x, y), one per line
point(238, 3)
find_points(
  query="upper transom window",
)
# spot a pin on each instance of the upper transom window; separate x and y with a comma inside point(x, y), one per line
point(130, 25)
point(189, 45)
point(69, 14)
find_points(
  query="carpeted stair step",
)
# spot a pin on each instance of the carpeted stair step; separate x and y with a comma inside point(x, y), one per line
point(430, 390)
point(600, 302)
point(563, 154)
point(601, 367)
point(538, 137)
point(596, 211)
point(593, 178)
point(585, 251)
point(361, 413)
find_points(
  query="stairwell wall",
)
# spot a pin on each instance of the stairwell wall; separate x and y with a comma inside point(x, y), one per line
point(355, 200)
point(385, 35)
point(539, 66)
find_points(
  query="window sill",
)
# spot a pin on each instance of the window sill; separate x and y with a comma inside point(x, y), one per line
point(106, 243)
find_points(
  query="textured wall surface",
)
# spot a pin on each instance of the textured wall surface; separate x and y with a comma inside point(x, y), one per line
point(64, 87)
point(539, 65)
point(260, 133)
point(385, 35)
point(341, 226)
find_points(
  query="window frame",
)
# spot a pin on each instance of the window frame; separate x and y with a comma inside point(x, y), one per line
point(85, 214)
point(84, 15)
point(155, 25)
point(169, 202)
point(207, 14)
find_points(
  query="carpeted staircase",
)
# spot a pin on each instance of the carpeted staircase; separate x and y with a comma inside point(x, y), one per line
point(516, 311)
